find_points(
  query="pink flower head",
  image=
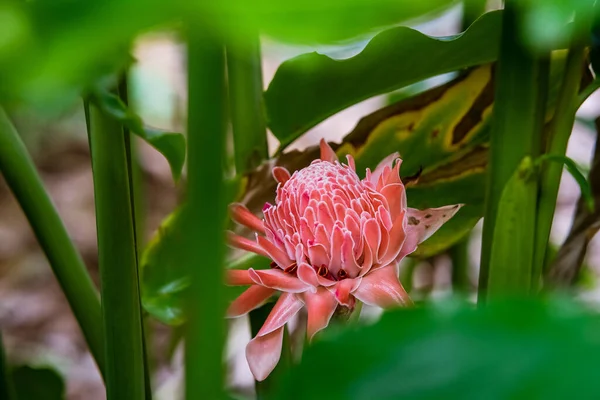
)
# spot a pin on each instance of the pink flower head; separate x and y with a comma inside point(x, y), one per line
point(333, 238)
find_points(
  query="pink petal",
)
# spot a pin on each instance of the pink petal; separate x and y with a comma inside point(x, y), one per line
point(351, 162)
point(337, 239)
point(263, 353)
point(424, 223)
point(318, 255)
point(343, 289)
point(382, 288)
point(286, 307)
point(245, 244)
point(252, 298)
point(372, 235)
point(327, 153)
point(347, 255)
point(277, 279)
point(243, 216)
point(386, 162)
point(397, 239)
point(274, 252)
point(320, 306)
point(308, 275)
point(238, 277)
point(281, 174)
point(396, 198)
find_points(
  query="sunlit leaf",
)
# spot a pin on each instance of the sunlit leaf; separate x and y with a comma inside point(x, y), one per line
point(312, 87)
point(169, 144)
point(508, 350)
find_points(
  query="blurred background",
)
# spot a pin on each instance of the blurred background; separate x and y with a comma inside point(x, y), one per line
point(38, 326)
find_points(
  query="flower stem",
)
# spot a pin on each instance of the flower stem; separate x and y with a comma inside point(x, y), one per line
point(125, 377)
point(244, 74)
point(7, 390)
point(521, 86)
point(558, 138)
point(19, 171)
point(204, 226)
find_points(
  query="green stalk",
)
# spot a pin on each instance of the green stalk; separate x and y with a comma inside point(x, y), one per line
point(125, 378)
point(521, 86)
point(204, 226)
point(137, 215)
point(459, 254)
point(19, 171)
point(558, 138)
point(7, 391)
point(244, 73)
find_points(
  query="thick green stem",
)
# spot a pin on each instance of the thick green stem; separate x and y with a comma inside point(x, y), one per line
point(7, 391)
point(521, 85)
point(137, 215)
point(20, 174)
point(558, 138)
point(244, 74)
point(125, 377)
point(206, 215)
point(459, 254)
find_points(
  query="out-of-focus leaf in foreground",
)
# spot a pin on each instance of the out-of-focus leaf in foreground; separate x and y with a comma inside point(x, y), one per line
point(317, 21)
point(50, 51)
point(549, 24)
point(398, 57)
point(37, 383)
point(508, 350)
point(163, 277)
point(169, 144)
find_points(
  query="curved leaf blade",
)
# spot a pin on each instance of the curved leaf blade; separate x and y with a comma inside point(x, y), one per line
point(312, 87)
point(170, 144)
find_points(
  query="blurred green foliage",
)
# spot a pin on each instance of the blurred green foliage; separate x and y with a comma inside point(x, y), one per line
point(50, 51)
point(513, 349)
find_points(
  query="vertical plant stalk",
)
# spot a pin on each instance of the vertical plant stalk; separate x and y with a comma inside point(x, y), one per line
point(244, 73)
point(137, 215)
point(567, 264)
point(459, 254)
point(117, 259)
point(7, 390)
point(521, 83)
point(20, 173)
point(206, 215)
point(559, 132)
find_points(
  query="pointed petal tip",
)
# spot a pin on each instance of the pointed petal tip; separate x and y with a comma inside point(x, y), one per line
point(327, 153)
point(263, 353)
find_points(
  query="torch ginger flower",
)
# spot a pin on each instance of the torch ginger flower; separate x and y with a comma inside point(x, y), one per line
point(333, 238)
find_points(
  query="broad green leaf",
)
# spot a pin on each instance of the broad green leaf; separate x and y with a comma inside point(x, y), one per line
point(511, 259)
point(312, 87)
point(169, 144)
point(38, 383)
point(508, 350)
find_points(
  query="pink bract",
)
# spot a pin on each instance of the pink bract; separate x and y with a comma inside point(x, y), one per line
point(333, 238)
